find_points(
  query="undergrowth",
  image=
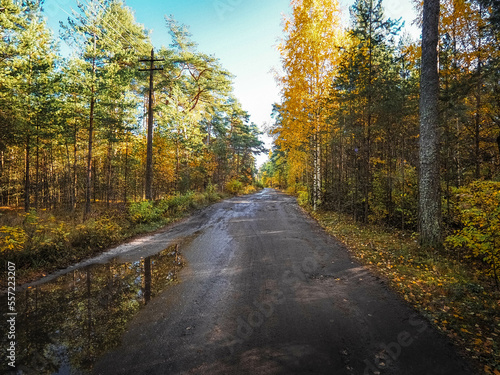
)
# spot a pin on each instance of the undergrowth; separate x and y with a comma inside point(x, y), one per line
point(41, 242)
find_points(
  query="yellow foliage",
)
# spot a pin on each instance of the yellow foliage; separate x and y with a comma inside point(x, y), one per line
point(310, 56)
point(234, 187)
point(249, 189)
point(479, 214)
point(12, 239)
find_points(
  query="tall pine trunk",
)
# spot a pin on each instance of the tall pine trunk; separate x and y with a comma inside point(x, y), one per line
point(429, 189)
point(27, 184)
point(477, 125)
point(88, 186)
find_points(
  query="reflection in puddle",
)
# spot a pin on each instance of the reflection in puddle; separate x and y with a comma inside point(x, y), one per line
point(64, 326)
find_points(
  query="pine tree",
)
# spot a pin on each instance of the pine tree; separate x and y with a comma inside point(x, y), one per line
point(29, 63)
point(371, 33)
point(109, 42)
point(429, 181)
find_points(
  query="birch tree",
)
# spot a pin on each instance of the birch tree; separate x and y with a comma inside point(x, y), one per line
point(309, 55)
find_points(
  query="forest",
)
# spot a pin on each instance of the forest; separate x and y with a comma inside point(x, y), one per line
point(82, 164)
point(347, 130)
point(398, 156)
point(119, 137)
point(73, 128)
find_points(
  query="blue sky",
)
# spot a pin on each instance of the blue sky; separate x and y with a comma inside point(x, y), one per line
point(241, 33)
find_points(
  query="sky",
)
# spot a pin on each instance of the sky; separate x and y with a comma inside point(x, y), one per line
point(243, 34)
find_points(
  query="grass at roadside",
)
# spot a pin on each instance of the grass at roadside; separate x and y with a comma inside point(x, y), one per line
point(452, 294)
point(42, 242)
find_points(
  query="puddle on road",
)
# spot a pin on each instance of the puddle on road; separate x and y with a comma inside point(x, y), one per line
point(65, 325)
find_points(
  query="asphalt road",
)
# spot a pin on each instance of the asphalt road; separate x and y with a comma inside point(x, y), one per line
point(266, 291)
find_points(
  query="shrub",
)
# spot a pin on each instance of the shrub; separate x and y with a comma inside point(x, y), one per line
point(211, 189)
point(12, 239)
point(250, 189)
point(55, 238)
point(198, 200)
point(162, 207)
point(259, 185)
point(95, 235)
point(478, 207)
point(234, 187)
point(144, 212)
point(303, 198)
point(211, 193)
point(179, 203)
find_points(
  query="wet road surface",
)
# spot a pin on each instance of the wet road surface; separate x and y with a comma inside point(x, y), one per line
point(264, 290)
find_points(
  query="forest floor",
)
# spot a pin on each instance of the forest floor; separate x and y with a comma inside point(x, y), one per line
point(451, 293)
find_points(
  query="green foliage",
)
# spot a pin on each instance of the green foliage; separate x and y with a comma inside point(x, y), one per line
point(145, 212)
point(95, 235)
point(57, 112)
point(303, 197)
point(42, 241)
point(478, 210)
point(211, 193)
point(180, 202)
point(259, 185)
point(234, 187)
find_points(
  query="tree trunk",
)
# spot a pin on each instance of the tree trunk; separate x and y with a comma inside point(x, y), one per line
point(125, 179)
point(477, 125)
point(109, 185)
point(91, 129)
point(37, 168)
point(89, 157)
point(430, 197)
point(75, 165)
point(27, 184)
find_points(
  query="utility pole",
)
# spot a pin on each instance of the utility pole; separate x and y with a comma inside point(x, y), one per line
point(149, 154)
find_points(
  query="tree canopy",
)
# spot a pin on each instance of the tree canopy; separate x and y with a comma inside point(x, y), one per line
point(73, 127)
